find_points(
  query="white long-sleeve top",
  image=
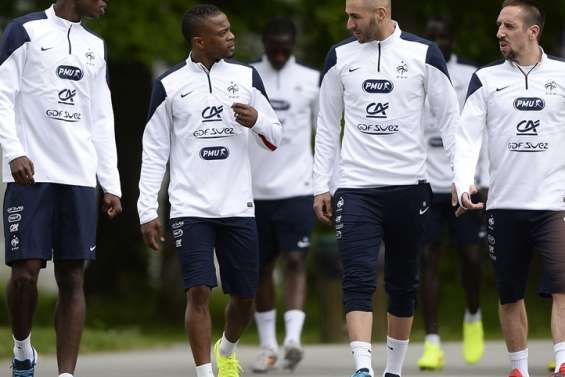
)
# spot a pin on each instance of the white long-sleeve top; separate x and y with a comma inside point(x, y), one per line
point(524, 117)
point(192, 127)
point(380, 87)
point(293, 92)
point(55, 105)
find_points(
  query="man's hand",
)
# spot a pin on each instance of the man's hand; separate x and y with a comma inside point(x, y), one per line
point(244, 114)
point(111, 206)
point(466, 202)
point(153, 233)
point(323, 208)
point(22, 170)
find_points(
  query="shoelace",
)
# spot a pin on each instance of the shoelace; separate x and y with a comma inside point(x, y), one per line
point(232, 366)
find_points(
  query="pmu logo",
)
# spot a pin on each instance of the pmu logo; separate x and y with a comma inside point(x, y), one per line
point(68, 72)
point(378, 86)
point(66, 97)
point(214, 153)
point(377, 110)
point(212, 114)
point(529, 104)
point(280, 105)
point(528, 128)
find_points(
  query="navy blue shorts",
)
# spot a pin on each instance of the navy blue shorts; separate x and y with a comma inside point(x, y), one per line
point(48, 220)
point(237, 251)
point(513, 237)
point(463, 231)
point(363, 218)
point(284, 225)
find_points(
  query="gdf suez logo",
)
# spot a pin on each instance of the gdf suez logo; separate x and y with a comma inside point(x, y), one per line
point(528, 128)
point(212, 114)
point(378, 86)
point(529, 104)
point(214, 153)
point(377, 110)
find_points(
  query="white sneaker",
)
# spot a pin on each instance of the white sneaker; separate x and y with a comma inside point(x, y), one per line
point(266, 361)
point(292, 354)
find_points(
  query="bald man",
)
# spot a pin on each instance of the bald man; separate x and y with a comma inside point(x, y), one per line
point(379, 80)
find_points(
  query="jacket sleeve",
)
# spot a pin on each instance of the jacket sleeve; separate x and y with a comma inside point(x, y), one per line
point(328, 128)
point(267, 129)
point(469, 136)
point(156, 151)
point(103, 135)
point(442, 98)
point(13, 53)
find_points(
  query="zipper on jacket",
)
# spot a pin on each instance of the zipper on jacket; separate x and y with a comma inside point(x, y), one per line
point(527, 74)
point(379, 65)
point(69, 39)
point(209, 81)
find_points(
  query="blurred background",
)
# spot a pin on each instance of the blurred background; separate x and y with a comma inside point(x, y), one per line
point(135, 296)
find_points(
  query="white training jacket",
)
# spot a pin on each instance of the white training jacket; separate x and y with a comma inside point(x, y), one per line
point(523, 112)
point(380, 88)
point(440, 172)
point(55, 105)
point(191, 125)
point(293, 92)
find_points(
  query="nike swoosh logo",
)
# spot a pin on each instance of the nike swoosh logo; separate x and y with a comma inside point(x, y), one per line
point(353, 69)
point(501, 89)
point(422, 211)
point(302, 244)
point(92, 248)
point(46, 48)
point(186, 94)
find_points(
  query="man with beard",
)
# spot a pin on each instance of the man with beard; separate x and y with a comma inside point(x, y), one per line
point(57, 137)
point(520, 101)
point(379, 81)
point(202, 116)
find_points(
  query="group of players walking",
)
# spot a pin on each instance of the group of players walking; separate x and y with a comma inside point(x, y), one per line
point(408, 138)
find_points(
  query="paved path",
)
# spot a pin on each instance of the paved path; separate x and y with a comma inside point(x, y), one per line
point(321, 361)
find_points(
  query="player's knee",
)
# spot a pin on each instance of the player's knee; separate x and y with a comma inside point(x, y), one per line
point(295, 262)
point(244, 305)
point(358, 298)
point(22, 278)
point(70, 282)
point(402, 305)
point(198, 297)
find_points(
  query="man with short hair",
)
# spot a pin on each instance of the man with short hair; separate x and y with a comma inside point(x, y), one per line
point(379, 81)
point(463, 232)
point(282, 189)
point(520, 102)
point(203, 114)
point(57, 137)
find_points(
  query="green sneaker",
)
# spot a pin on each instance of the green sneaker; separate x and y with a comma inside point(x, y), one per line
point(227, 366)
point(432, 358)
point(551, 366)
point(473, 342)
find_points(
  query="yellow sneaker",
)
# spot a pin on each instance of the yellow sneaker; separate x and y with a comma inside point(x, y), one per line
point(227, 366)
point(473, 341)
point(551, 366)
point(432, 358)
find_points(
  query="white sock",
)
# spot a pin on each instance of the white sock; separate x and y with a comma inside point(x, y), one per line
point(472, 318)
point(434, 339)
point(65, 375)
point(519, 360)
point(204, 370)
point(395, 354)
point(362, 356)
point(266, 327)
point(293, 320)
point(23, 349)
point(559, 350)
point(227, 348)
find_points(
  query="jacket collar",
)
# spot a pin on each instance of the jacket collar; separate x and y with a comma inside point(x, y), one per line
point(50, 12)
